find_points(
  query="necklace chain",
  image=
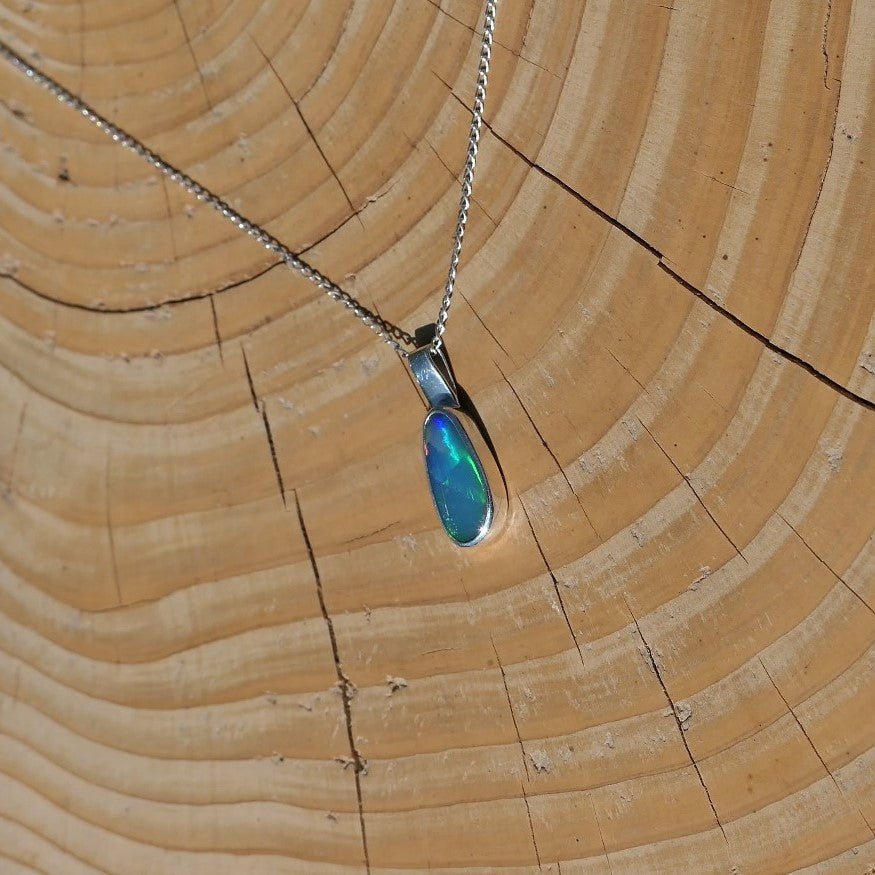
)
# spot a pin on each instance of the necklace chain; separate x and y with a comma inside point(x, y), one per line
point(387, 332)
point(468, 173)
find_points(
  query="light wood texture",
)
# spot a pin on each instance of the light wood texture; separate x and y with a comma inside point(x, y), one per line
point(233, 638)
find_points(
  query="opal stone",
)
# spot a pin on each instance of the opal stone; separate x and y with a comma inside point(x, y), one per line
point(458, 483)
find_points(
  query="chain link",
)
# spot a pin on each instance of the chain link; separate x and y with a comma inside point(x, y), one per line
point(387, 332)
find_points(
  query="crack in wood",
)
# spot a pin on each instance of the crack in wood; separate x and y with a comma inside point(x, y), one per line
point(356, 212)
point(273, 455)
point(109, 529)
point(654, 665)
point(510, 708)
point(140, 308)
point(546, 446)
point(722, 182)
point(194, 59)
point(561, 604)
point(306, 250)
point(825, 564)
point(378, 531)
point(13, 460)
point(832, 139)
point(479, 32)
point(823, 48)
point(249, 382)
point(531, 825)
point(629, 373)
point(344, 684)
point(693, 489)
point(169, 218)
point(261, 410)
point(598, 826)
point(485, 326)
point(307, 127)
point(802, 729)
point(455, 176)
point(332, 56)
point(521, 746)
point(217, 333)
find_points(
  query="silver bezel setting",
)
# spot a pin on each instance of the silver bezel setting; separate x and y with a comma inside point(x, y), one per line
point(490, 507)
point(497, 494)
point(433, 375)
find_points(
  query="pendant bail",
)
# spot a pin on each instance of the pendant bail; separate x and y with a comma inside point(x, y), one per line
point(432, 372)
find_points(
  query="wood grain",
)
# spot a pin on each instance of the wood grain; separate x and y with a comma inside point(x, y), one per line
point(232, 636)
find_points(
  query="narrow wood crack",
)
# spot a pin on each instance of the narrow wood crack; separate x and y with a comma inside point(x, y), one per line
point(641, 386)
point(654, 666)
point(522, 751)
point(832, 140)
point(692, 488)
point(557, 181)
point(218, 335)
point(13, 455)
point(486, 328)
point(372, 533)
point(194, 59)
point(248, 373)
point(307, 127)
point(794, 359)
point(823, 49)
point(261, 410)
point(331, 56)
point(561, 604)
point(109, 530)
point(344, 684)
point(723, 182)
point(139, 308)
point(531, 825)
point(546, 446)
point(306, 250)
point(478, 32)
point(825, 564)
point(598, 826)
point(510, 708)
point(355, 211)
point(802, 729)
point(455, 176)
point(273, 456)
point(169, 218)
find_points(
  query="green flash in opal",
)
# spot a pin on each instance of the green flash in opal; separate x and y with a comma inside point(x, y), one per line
point(458, 483)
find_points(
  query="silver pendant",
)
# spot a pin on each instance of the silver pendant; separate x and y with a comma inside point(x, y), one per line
point(466, 485)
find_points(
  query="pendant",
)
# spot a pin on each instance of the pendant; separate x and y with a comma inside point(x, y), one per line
point(466, 485)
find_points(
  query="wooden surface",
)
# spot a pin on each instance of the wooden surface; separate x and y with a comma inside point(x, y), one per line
point(232, 637)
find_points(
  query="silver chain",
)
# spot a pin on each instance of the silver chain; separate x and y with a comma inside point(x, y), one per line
point(468, 173)
point(383, 329)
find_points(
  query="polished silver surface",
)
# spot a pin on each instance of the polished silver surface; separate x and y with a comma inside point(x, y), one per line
point(380, 327)
point(432, 372)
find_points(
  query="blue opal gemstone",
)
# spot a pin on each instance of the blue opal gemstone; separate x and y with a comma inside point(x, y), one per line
point(458, 483)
